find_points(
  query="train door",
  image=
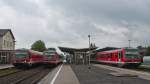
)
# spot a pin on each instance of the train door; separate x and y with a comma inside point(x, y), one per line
point(119, 56)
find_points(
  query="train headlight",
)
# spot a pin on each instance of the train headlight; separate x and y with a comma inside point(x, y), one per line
point(30, 60)
point(15, 61)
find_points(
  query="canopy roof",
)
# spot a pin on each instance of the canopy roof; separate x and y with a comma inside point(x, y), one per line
point(72, 50)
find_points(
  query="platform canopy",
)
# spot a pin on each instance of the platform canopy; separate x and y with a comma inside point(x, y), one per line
point(106, 48)
point(72, 50)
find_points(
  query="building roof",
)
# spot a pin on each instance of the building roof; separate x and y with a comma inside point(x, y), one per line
point(4, 31)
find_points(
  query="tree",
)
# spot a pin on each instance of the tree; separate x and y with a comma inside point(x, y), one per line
point(38, 46)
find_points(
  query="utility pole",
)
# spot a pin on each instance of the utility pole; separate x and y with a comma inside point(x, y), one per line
point(89, 48)
point(129, 43)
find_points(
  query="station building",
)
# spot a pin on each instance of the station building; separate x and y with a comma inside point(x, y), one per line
point(7, 46)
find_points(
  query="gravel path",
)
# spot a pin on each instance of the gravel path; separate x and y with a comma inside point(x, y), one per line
point(97, 75)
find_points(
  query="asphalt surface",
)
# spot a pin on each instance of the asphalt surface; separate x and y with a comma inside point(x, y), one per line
point(97, 75)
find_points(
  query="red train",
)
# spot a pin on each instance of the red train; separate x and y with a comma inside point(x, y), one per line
point(27, 58)
point(51, 57)
point(121, 57)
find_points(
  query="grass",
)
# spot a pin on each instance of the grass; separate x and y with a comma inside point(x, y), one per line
point(8, 71)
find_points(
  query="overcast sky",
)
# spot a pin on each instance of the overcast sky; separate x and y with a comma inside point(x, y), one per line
point(68, 22)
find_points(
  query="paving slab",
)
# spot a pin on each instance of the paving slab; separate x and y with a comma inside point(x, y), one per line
point(4, 66)
point(48, 78)
point(62, 74)
point(66, 76)
point(140, 74)
point(99, 75)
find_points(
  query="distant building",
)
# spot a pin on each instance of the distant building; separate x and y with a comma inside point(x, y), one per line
point(143, 51)
point(7, 46)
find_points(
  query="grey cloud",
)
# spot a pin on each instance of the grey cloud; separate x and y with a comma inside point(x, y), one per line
point(23, 7)
point(110, 9)
point(68, 22)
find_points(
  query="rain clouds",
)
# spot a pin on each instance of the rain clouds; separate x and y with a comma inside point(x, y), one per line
point(68, 22)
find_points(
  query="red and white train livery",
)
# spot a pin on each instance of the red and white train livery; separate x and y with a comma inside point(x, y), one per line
point(51, 57)
point(27, 58)
point(121, 57)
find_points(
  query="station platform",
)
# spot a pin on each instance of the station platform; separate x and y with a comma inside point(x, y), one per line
point(5, 66)
point(61, 75)
point(96, 74)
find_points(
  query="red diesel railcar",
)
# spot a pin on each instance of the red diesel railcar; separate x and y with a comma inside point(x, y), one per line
point(121, 57)
point(27, 58)
point(51, 57)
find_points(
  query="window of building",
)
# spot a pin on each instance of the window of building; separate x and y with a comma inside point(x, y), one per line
point(4, 43)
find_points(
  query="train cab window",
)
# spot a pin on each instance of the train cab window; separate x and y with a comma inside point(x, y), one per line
point(21, 54)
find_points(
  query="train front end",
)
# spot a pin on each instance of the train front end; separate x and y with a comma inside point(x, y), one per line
point(132, 57)
point(50, 58)
point(21, 58)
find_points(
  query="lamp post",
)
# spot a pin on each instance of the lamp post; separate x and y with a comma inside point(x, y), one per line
point(89, 48)
point(129, 43)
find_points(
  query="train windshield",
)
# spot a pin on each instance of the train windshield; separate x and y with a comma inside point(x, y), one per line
point(49, 53)
point(21, 54)
point(132, 54)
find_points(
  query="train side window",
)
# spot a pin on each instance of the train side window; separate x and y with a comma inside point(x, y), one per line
point(116, 54)
point(110, 55)
point(103, 56)
point(106, 55)
point(99, 55)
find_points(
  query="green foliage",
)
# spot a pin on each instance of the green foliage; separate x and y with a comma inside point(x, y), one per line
point(148, 51)
point(38, 46)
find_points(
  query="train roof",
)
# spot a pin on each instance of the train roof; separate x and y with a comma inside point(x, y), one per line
point(36, 52)
point(32, 51)
point(109, 49)
point(51, 49)
point(22, 49)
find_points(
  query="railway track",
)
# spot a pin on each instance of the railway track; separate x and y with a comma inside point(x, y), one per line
point(9, 71)
point(31, 76)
